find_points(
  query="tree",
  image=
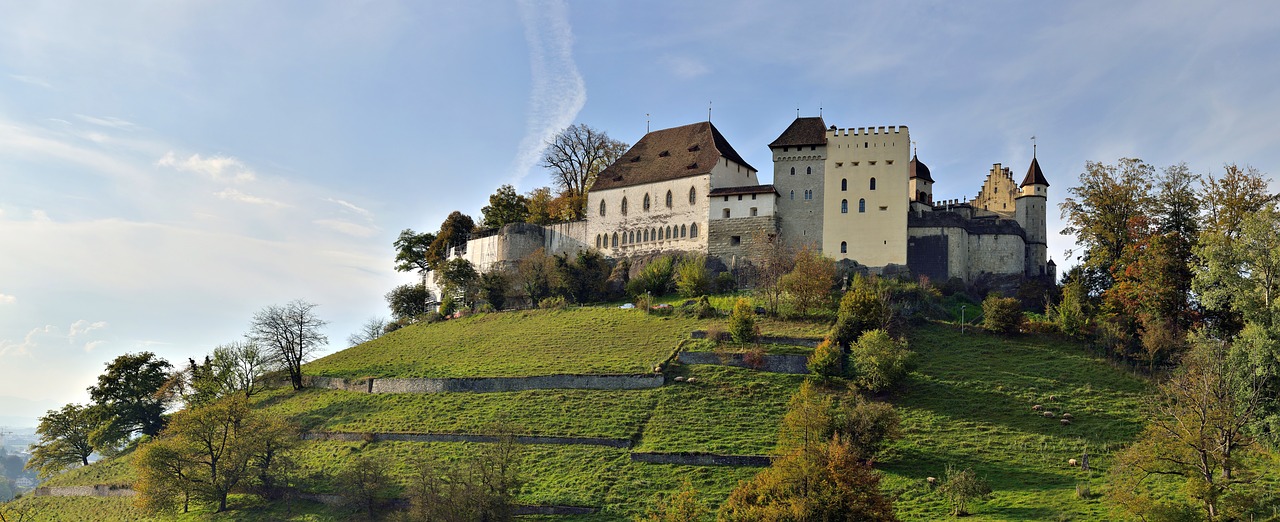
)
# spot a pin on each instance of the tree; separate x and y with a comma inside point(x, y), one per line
point(809, 283)
point(862, 308)
point(539, 208)
point(412, 250)
point(505, 206)
point(771, 259)
point(742, 322)
point(493, 288)
point(1098, 214)
point(459, 279)
point(575, 156)
point(879, 361)
point(128, 395)
point(409, 301)
point(367, 485)
point(454, 232)
point(290, 334)
point(64, 439)
point(1230, 198)
point(680, 506)
point(535, 276)
point(1001, 314)
point(962, 487)
point(584, 277)
point(827, 360)
point(1240, 271)
point(370, 330)
point(692, 277)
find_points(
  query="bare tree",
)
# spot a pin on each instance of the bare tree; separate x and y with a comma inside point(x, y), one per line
point(243, 364)
point(771, 258)
point(575, 156)
point(370, 330)
point(290, 334)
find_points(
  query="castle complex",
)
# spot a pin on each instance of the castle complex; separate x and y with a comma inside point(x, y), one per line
point(852, 194)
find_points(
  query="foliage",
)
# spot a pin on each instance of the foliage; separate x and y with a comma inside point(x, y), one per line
point(1098, 214)
point(575, 156)
point(553, 303)
point(771, 259)
point(64, 439)
point(367, 485)
point(1240, 270)
point(584, 278)
point(815, 414)
point(862, 308)
point(505, 206)
point(1255, 357)
point(680, 506)
point(725, 283)
point(692, 277)
point(878, 361)
point(827, 360)
point(655, 278)
point(459, 279)
point(409, 301)
point(207, 452)
point(493, 288)
point(454, 232)
point(742, 322)
point(1001, 314)
point(536, 275)
point(961, 488)
point(372, 328)
point(290, 334)
point(127, 394)
point(809, 283)
point(1069, 314)
point(821, 482)
point(1229, 199)
point(412, 250)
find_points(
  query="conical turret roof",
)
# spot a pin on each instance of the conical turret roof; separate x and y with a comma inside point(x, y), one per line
point(1034, 175)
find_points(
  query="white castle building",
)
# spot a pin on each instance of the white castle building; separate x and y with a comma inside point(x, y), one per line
point(854, 194)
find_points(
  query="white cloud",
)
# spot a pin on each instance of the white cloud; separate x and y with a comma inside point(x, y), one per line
point(217, 168)
point(83, 327)
point(559, 92)
point(347, 227)
point(685, 67)
point(40, 215)
point(7, 299)
point(8, 347)
point(236, 195)
point(91, 345)
point(349, 206)
point(108, 121)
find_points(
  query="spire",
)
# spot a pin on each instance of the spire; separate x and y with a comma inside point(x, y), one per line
point(1034, 175)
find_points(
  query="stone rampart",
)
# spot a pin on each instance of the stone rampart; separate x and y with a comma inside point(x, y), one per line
point(793, 364)
point(702, 459)
point(463, 437)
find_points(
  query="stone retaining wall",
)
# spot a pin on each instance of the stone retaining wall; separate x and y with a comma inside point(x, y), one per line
point(702, 459)
point(771, 339)
point(489, 384)
point(793, 364)
point(100, 490)
point(461, 437)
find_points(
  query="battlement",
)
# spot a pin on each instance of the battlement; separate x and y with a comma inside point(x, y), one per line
point(867, 131)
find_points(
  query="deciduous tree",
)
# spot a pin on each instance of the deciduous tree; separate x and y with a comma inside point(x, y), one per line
point(454, 232)
point(809, 283)
point(290, 334)
point(129, 398)
point(505, 206)
point(64, 439)
point(1098, 213)
point(370, 330)
point(409, 301)
point(771, 259)
point(575, 156)
point(412, 250)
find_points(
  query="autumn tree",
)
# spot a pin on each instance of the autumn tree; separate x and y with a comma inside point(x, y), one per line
point(771, 259)
point(810, 281)
point(64, 439)
point(290, 334)
point(129, 399)
point(505, 206)
point(1098, 212)
point(575, 156)
point(679, 506)
point(454, 232)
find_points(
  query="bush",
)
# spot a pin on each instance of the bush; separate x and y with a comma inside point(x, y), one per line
point(861, 309)
point(692, 277)
point(448, 306)
point(742, 322)
point(726, 283)
point(716, 333)
point(553, 303)
point(1001, 314)
point(655, 278)
point(963, 487)
point(878, 361)
point(827, 360)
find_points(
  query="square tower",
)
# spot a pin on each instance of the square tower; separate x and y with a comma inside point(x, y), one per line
point(867, 195)
point(799, 174)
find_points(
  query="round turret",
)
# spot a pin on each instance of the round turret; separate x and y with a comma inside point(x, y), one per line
point(919, 170)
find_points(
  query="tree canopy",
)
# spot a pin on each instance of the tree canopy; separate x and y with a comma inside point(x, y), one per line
point(575, 156)
point(290, 333)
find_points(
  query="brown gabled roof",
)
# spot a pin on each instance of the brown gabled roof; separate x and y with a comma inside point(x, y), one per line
point(667, 154)
point(1034, 175)
point(919, 170)
point(749, 189)
point(803, 131)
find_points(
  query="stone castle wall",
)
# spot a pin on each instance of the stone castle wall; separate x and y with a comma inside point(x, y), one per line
point(721, 242)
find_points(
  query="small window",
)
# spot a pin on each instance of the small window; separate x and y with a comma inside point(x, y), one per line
point(602, 208)
point(844, 206)
point(808, 170)
point(668, 199)
point(726, 213)
point(753, 196)
point(844, 185)
point(793, 171)
point(844, 247)
point(644, 236)
point(726, 199)
point(793, 195)
point(646, 202)
point(668, 236)
point(754, 212)
point(682, 231)
point(693, 196)
point(597, 240)
point(623, 208)
point(884, 207)
point(862, 205)
point(653, 234)
point(739, 197)
point(735, 240)
point(693, 230)
point(873, 183)
point(813, 147)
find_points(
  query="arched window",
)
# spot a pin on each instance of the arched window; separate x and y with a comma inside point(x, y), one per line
point(844, 247)
point(808, 170)
point(668, 236)
point(668, 199)
point(793, 194)
point(693, 230)
point(644, 236)
point(623, 209)
point(793, 171)
point(682, 231)
point(653, 235)
point(844, 185)
point(602, 208)
point(873, 183)
point(862, 205)
point(844, 206)
point(632, 236)
point(597, 240)
point(693, 196)
point(646, 200)
point(615, 240)
point(624, 238)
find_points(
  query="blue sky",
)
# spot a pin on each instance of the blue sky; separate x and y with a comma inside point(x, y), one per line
point(168, 168)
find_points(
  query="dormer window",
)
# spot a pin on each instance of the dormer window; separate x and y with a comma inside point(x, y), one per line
point(694, 148)
point(664, 154)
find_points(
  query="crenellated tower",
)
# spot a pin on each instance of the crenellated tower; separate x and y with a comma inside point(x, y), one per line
point(1031, 213)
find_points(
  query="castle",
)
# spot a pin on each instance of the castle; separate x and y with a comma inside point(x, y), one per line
point(852, 194)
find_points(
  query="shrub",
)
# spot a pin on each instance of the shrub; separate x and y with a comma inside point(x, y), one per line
point(809, 284)
point(681, 506)
point(827, 360)
point(1001, 314)
point(878, 361)
point(493, 288)
point(448, 306)
point(867, 425)
point(655, 278)
point(742, 322)
point(692, 277)
point(716, 333)
point(963, 487)
point(861, 309)
point(703, 309)
point(553, 303)
point(726, 283)
point(754, 357)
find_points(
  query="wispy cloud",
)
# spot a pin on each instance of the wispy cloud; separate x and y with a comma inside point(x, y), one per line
point(217, 168)
point(236, 195)
point(685, 67)
point(351, 207)
point(83, 327)
point(559, 92)
point(347, 227)
point(115, 123)
point(8, 347)
point(91, 345)
point(31, 80)
point(7, 299)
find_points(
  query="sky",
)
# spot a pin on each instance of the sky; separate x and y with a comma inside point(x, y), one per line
point(169, 168)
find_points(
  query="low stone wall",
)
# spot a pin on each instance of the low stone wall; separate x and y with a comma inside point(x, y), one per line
point(100, 490)
point(462, 437)
point(702, 459)
point(793, 364)
point(489, 384)
point(552, 510)
point(771, 339)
